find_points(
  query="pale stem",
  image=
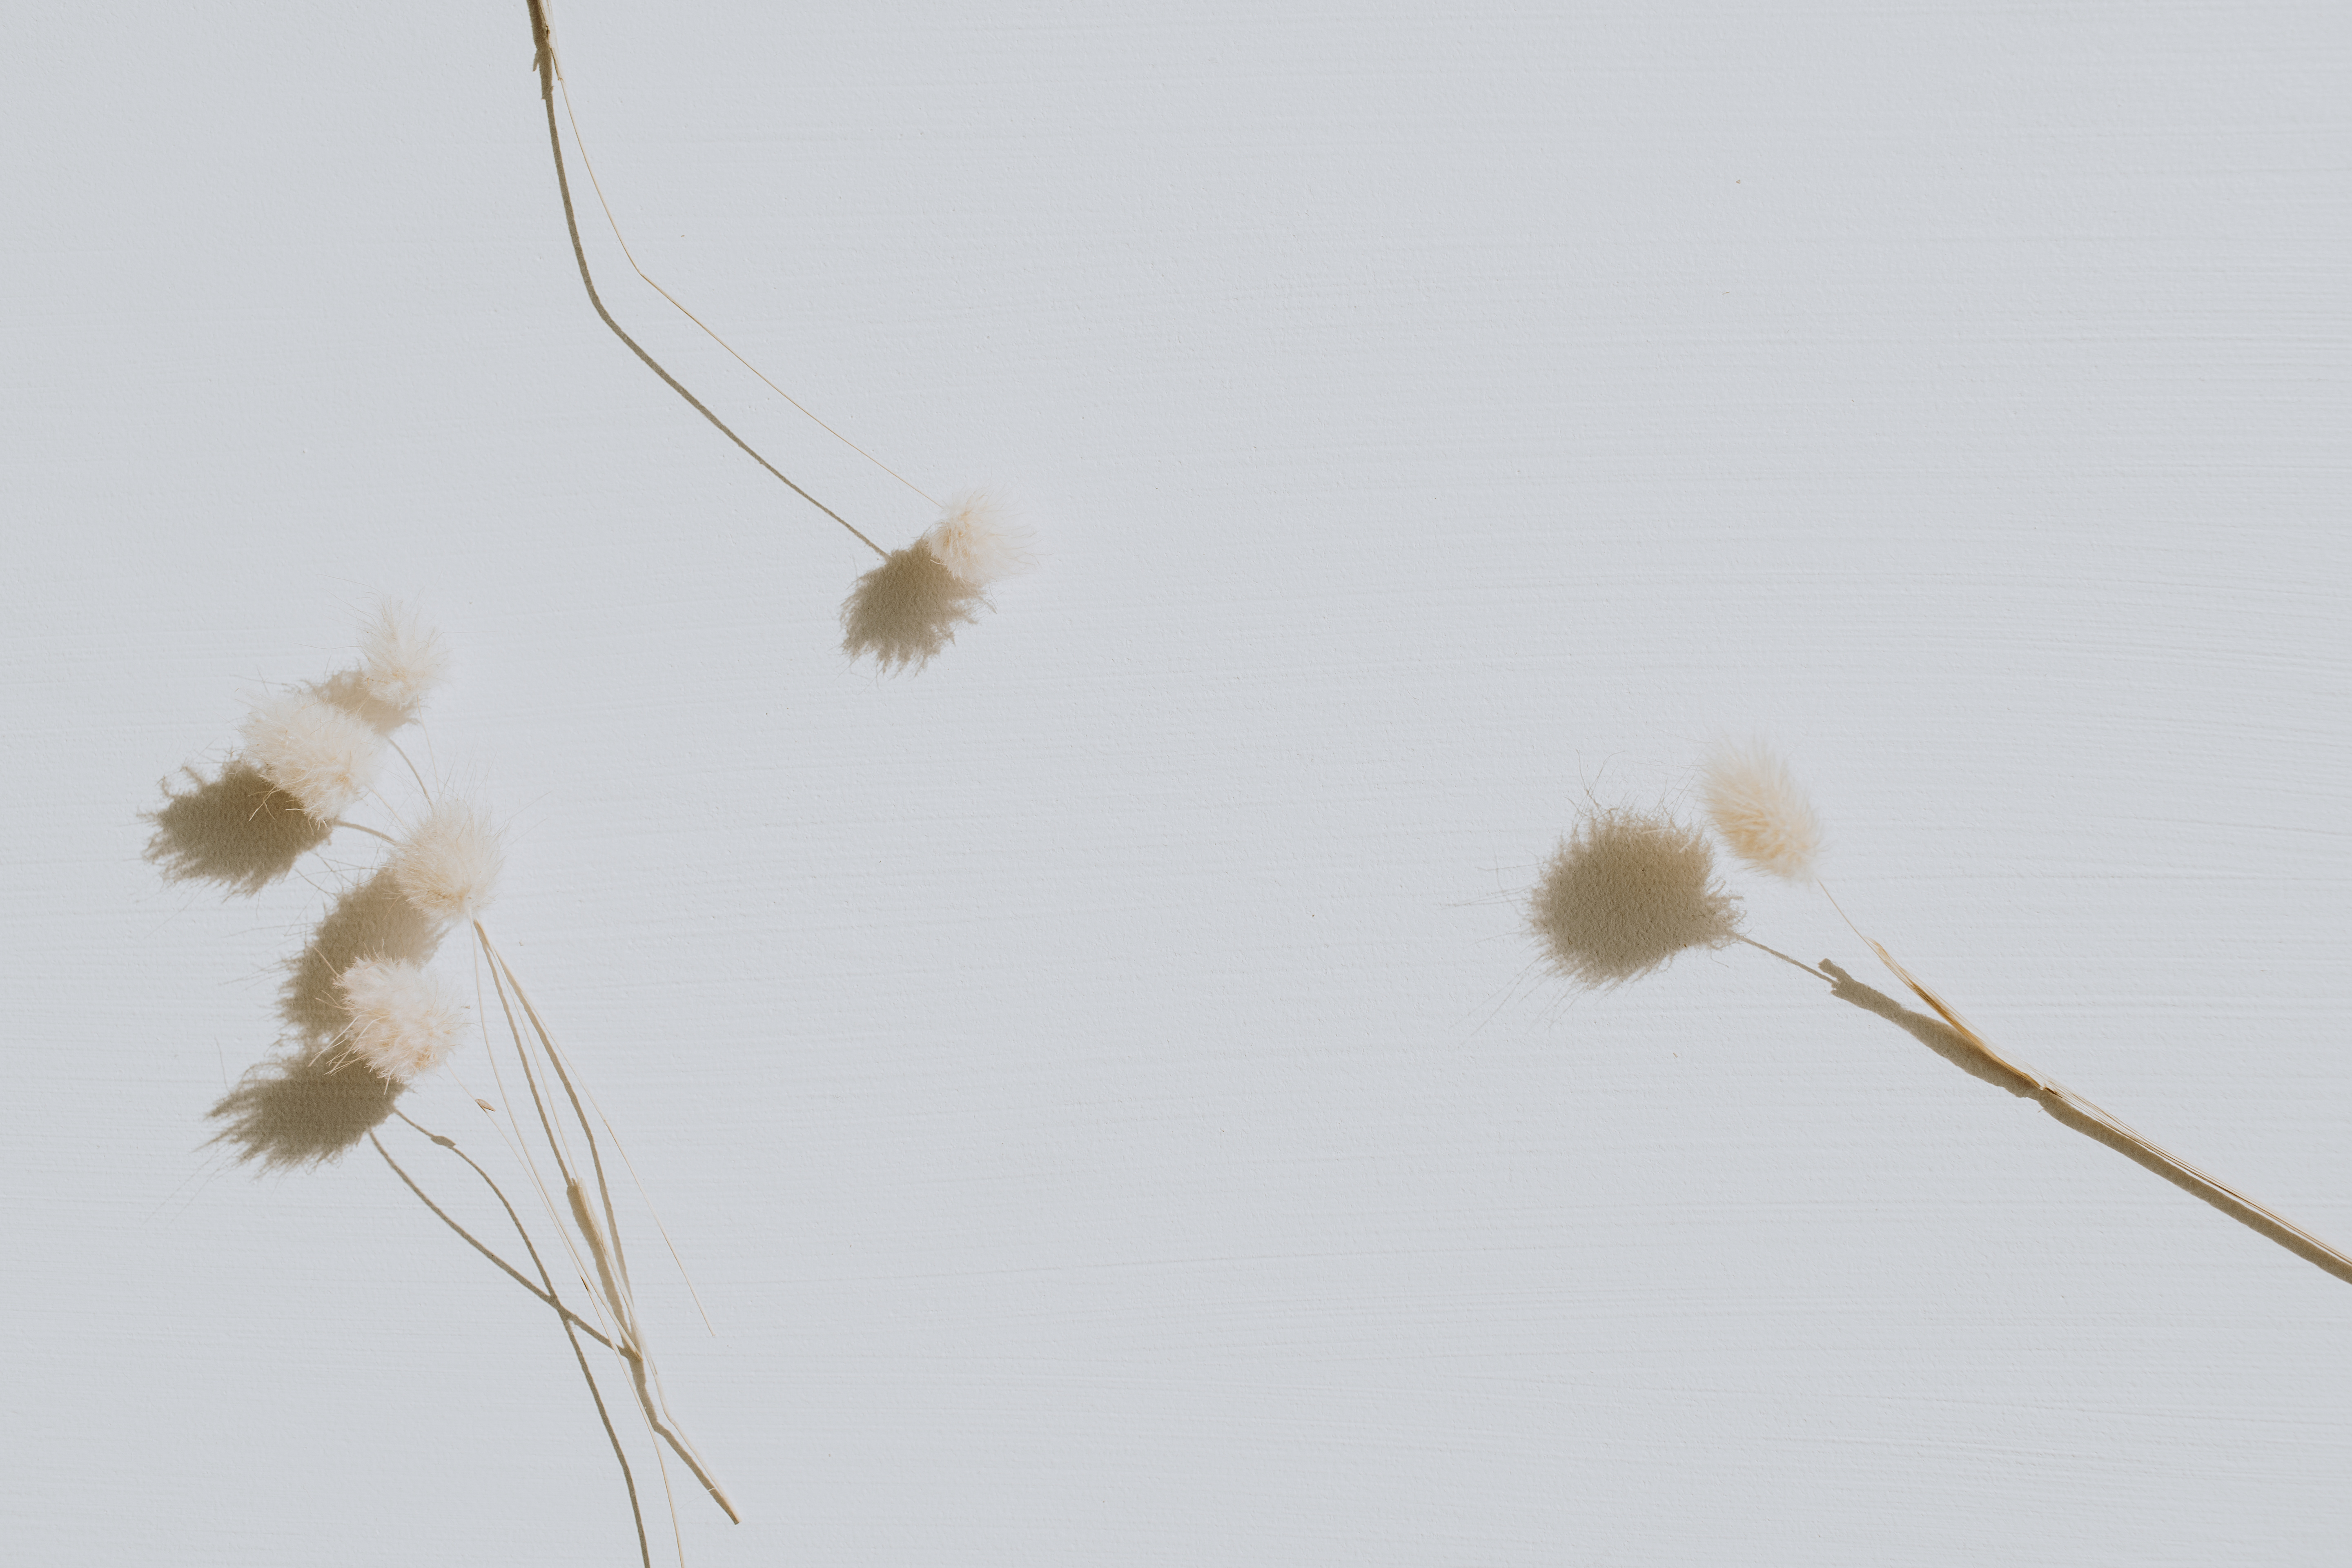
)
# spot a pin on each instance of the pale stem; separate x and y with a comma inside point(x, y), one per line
point(2069, 1109)
point(628, 1477)
point(421, 786)
point(546, 64)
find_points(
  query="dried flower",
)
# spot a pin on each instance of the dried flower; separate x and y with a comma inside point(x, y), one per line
point(321, 755)
point(401, 659)
point(403, 1024)
point(448, 868)
point(1626, 892)
point(976, 539)
point(1764, 817)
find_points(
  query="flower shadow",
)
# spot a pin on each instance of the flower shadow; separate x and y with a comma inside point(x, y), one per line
point(235, 829)
point(301, 1109)
point(370, 921)
point(905, 612)
point(306, 1105)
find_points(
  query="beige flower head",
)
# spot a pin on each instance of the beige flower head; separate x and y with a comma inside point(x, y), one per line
point(403, 1024)
point(1624, 893)
point(1764, 819)
point(448, 868)
point(316, 752)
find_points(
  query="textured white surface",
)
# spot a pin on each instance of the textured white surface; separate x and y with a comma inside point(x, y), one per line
point(1097, 1082)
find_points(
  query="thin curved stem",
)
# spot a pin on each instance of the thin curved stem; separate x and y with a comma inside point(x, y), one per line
point(546, 63)
point(621, 239)
point(511, 1271)
point(425, 789)
point(628, 1477)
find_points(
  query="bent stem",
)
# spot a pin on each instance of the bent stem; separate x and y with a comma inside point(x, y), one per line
point(543, 43)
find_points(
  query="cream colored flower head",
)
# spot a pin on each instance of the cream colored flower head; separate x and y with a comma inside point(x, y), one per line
point(447, 869)
point(403, 1025)
point(316, 752)
point(976, 539)
point(1624, 893)
point(401, 659)
point(1764, 819)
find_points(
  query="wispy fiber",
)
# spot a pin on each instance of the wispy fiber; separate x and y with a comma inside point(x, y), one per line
point(976, 539)
point(371, 919)
point(401, 659)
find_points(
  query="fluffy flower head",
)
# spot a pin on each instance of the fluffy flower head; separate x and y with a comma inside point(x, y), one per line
point(1624, 893)
point(403, 1024)
point(1764, 817)
point(401, 659)
point(321, 755)
point(976, 539)
point(448, 868)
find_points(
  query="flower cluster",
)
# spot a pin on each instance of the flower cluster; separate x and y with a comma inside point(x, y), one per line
point(319, 749)
point(367, 1012)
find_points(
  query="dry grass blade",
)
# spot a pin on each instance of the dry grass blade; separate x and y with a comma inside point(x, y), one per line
point(2107, 1128)
point(1960, 1025)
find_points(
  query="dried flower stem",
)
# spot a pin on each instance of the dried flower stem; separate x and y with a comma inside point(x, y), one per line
point(611, 1261)
point(597, 186)
point(1741, 936)
point(545, 61)
point(573, 1326)
point(2070, 1108)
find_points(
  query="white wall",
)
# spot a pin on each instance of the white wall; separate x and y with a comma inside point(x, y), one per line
point(1099, 1083)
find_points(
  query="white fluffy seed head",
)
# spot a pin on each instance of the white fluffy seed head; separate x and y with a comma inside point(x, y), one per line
point(976, 539)
point(448, 868)
point(1764, 819)
point(403, 1024)
point(401, 659)
point(321, 755)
